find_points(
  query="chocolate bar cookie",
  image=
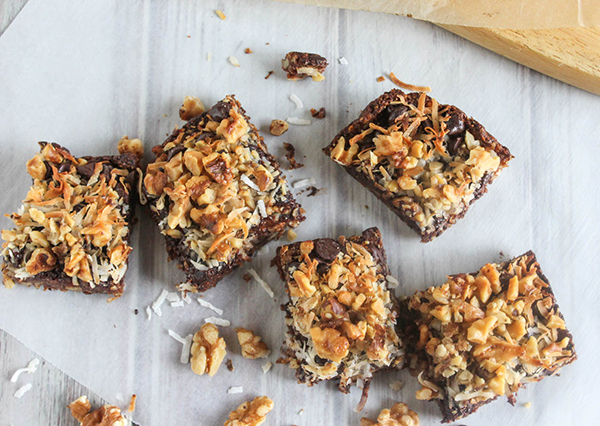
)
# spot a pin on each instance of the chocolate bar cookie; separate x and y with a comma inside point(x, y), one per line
point(73, 230)
point(484, 335)
point(300, 65)
point(427, 162)
point(341, 316)
point(217, 194)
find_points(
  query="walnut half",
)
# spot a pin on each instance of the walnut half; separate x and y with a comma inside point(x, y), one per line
point(399, 415)
point(252, 346)
point(208, 350)
point(108, 415)
point(251, 413)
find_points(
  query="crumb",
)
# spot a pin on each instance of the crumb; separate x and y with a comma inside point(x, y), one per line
point(247, 277)
point(189, 36)
point(229, 365)
point(131, 408)
point(291, 156)
point(527, 405)
point(220, 14)
point(267, 44)
point(380, 79)
point(291, 235)
point(366, 207)
point(318, 114)
point(501, 254)
point(269, 74)
point(135, 311)
point(234, 61)
point(407, 86)
point(247, 51)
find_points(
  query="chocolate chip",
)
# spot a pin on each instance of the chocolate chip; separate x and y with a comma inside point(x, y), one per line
point(456, 125)
point(219, 111)
point(65, 166)
point(327, 249)
point(174, 151)
point(425, 124)
point(454, 143)
point(391, 114)
point(87, 170)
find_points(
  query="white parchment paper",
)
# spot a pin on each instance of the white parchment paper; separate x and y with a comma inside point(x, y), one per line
point(85, 73)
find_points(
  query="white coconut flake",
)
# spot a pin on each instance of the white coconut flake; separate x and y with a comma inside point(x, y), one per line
point(295, 99)
point(159, 301)
point(209, 56)
point(217, 321)
point(249, 182)
point(209, 305)
point(301, 412)
point(173, 297)
point(262, 209)
point(176, 337)
point(149, 313)
point(119, 397)
point(299, 121)
point(396, 385)
point(233, 61)
point(22, 390)
point(185, 296)
point(266, 367)
point(343, 61)
point(235, 389)
point(31, 368)
point(303, 182)
point(262, 282)
point(185, 350)
point(392, 281)
point(178, 304)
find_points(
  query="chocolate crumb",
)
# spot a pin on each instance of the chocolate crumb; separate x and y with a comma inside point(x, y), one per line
point(320, 114)
point(135, 311)
point(247, 51)
point(247, 277)
point(291, 156)
point(312, 191)
point(270, 72)
point(229, 365)
point(366, 207)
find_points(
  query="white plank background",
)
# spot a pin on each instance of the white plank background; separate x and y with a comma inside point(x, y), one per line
point(85, 73)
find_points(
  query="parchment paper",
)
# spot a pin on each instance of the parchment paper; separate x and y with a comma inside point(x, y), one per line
point(85, 73)
point(515, 14)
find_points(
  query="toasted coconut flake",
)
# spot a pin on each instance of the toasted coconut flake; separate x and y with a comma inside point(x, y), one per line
point(209, 305)
point(220, 14)
point(299, 121)
point(295, 99)
point(380, 79)
point(233, 61)
point(22, 390)
point(131, 408)
point(247, 51)
point(31, 368)
point(217, 321)
point(235, 389)
point(262, 282)
point(303, 182)
point(406, 86)
point(392, 281)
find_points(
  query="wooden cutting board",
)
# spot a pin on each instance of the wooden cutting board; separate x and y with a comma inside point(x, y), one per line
point(571, 55)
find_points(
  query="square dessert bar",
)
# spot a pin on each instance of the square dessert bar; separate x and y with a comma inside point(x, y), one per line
point(73, 230)
point(427, 162)
point(341, 316)
point(217, 194)
point(486, 334)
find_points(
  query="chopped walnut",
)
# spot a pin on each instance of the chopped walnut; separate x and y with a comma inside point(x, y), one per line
point(252, 346)
point(320, 113)
point(208, 350)
point(399, 415)
point(329, 343)
point(278, 127)
point(108, 415)
point(252, 413)
point(131, 146)
point(300, 65)
point(192, 107)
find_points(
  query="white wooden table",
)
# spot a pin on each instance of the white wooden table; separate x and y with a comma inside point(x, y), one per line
point(85, 73)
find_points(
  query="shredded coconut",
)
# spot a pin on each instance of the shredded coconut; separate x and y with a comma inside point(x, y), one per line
point(218, 321)
point(22, 390)
point(235, 389)
point(262, 283)
point(209, 305)
point(397, 385)
point(266, 367)
point(209, 56)
point(262, 209)
point(249, 182)
point(392, 281)
point(173, 297)
point(149, 313)
point(303, 182)
point(178, 304)
point(220, 14)
point(185, 350)
point(158, 302)
point(295, 99)
point(186, 297)
point(299, 121)
point(31, 368)
point(343, 61)
point(233, 61)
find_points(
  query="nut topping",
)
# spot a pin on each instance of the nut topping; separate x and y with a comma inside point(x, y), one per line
point(252, 413)
point(131, 146)
point(192, 107)
point(399, 415)
point(108, 415)
point(208, 350)
point(252, 345)
point(278, 127)
point(299, 65)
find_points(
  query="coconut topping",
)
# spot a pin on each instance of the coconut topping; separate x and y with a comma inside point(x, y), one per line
point(73, 223)
point(487, 334)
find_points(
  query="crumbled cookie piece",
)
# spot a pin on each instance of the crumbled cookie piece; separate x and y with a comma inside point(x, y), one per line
point(399, 415)
point(192, 107)
point(380, 79)
point(252, 345)
point(251, 413)
point(131, 146)
point(320, 114)
point(229, 365)
point(278, 127)
point(300, 65)
point(247, 51)
point(208, 350)
point(108, 415)
point(290, 154)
